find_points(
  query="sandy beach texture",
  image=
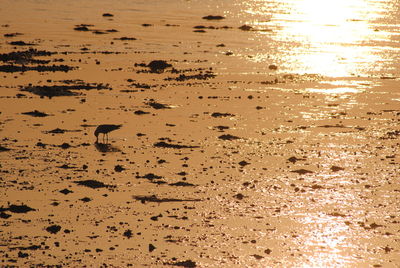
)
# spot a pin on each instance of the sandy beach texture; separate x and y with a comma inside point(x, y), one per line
point(254, 133)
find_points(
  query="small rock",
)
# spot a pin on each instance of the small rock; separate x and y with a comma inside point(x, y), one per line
point(151, 247)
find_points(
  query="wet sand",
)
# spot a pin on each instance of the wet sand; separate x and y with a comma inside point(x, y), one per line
point(220, 161)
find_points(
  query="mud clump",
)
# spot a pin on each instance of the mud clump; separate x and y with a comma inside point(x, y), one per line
point(119, 168)
point(21, 61)
point(182, 184)
point(336, 168)
point(4, 215)
point(228, 137)
point(4, 149)
point(21, 43)
point(36, 113)
point(65, 145)
point(158, 66)
point(128, 233)
point(302, 171)
point(239, 196)
point(153, 198)
point(246, 28)
point(83, 27)
point(157, 105)
point(186, 264)
point(39, 68)
point(53, 229)
point(273, 67)
point(18, 209)
point(8, 35)
point(151, 247)
point(56, 131)
point(140, 112)
point(62, 90)
point(66, 191)
point(216, 114)
point(184, 77)
point(294, 159)
point(213, 17)
point(124, 38)
point(26, 57)
point(163, 144)
point(150, 176)
point(244, 163)
point(92, 184)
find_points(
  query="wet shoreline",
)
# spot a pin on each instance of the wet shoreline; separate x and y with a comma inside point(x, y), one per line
point(219, 162)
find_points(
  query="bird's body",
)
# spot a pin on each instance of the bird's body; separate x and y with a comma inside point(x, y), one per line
point(105, 129)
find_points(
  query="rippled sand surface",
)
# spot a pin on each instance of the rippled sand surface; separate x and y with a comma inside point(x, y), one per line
point(255, 133)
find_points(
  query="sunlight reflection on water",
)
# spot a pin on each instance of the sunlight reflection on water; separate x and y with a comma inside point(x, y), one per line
point(332, 38)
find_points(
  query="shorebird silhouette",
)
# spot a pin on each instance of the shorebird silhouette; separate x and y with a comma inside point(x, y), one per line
point(105, 129)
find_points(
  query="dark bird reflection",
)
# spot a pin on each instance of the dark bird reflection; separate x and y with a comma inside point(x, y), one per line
point(106, 148)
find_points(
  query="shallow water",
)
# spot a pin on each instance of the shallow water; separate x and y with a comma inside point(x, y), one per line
point(269, 145)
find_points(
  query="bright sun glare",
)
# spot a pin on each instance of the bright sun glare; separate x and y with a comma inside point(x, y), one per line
point(325, 37)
